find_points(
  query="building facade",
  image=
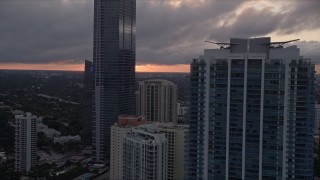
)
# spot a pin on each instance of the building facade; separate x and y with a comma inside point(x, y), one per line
point(119, 131)
point(317, 120)
point(157, 100)
point(25, 142)
point(251, 113)
point(114, 69)
point(175, 135)
point(87, 103)
point(145, 154)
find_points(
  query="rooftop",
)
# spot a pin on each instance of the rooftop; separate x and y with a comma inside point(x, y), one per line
point(130, 120)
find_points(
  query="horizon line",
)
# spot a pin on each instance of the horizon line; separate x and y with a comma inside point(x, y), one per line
point(82, 70)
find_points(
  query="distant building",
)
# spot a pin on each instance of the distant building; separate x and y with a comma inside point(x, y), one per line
point(118, 132)
point(317, 120)
point(251, 112)
point(17, 112)
point(182, 109)
point(87, 103)
point(3, 106)
point(25, 142)
point(48, 132)
point(66, 139)
point(175, 135)
point(145, 154)
point(157, 100)
point(3, 158)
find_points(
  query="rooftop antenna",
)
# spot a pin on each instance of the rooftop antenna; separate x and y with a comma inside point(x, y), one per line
point(222, 44)
point(275, 45)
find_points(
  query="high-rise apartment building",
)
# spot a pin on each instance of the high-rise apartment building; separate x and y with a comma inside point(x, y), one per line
point(114, 69)
point(25, 142)
point(119, 131)
point(175, 134)
point(157, 100)
point(145, 154)
point(251, 112)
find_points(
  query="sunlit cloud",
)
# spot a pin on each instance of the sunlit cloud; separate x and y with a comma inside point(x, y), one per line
point(179, 68)
point(163, 68)
point(47, 66)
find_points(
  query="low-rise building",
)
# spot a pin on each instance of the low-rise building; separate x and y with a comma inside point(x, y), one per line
point(48, 132)
point(66, 139)
point(17, 112)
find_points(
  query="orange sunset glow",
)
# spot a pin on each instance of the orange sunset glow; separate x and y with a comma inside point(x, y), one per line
point(183, 68)
point(80, 67)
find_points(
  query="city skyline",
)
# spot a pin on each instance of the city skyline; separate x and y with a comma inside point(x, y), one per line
point(58, 36)
point(241, 101)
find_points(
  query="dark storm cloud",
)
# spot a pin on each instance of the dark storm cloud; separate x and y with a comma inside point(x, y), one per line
point(39, 31)
point(304, 15)
point(176, 35)
point(300, 16)
point(310, 49)
point(170, 35)
point(250, 22)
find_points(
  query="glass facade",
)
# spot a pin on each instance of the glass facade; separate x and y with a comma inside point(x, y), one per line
point(251, 114)
point(114, 64)
point(195, 147)
point(87, 103)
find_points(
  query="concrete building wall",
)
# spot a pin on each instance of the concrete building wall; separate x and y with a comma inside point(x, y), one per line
point(175, 135)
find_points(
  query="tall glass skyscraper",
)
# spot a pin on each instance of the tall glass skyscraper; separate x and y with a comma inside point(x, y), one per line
point(87, 103)
point(114, 65)
point(251, 113)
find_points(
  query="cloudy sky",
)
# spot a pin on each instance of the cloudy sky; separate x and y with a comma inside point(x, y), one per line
point(58, 34)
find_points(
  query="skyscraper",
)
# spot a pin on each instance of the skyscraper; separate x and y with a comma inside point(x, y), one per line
point(251, 113)
point(87, 103)
point(25, 142)
point(114, 69)
point(157, 100)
